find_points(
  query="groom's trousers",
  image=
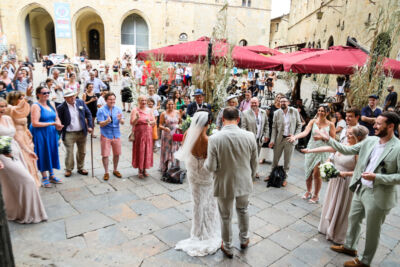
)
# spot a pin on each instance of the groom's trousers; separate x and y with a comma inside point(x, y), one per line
point(363, 206)
point(225, 206)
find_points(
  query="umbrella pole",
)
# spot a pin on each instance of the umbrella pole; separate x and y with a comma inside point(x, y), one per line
point(91, 153)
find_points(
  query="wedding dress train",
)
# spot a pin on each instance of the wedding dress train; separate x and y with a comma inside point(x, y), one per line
point(205, 237)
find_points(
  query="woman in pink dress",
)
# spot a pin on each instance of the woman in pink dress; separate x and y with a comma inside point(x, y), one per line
point(142, 121)
point(169, 122)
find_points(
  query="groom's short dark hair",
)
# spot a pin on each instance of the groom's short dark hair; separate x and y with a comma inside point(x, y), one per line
point(230, 113)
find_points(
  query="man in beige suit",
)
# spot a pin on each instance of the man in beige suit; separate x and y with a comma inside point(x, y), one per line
point(255, 120)
point(232, 157)
point(286, 123)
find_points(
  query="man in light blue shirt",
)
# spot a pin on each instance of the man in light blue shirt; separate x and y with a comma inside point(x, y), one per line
point(98, 85)
point(110, 117)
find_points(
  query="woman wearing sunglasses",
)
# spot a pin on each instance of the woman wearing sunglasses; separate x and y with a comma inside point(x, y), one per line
point(44, 127)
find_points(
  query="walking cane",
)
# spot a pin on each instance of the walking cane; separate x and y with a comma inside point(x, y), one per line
point(91, 152)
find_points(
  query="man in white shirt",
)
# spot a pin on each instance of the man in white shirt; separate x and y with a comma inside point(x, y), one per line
point(178, 74)
point(286, 123)
point(374, 179)
point(77, 121)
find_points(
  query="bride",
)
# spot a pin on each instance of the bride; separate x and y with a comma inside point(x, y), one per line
point(205, 237)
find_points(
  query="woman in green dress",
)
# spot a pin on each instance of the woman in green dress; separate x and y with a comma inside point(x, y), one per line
point(312, 161)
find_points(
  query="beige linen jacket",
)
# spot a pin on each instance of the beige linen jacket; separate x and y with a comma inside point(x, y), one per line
point(232, 157)
point(249, 124)
point(278, 125)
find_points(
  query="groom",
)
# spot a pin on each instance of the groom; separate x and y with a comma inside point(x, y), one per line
point(232, 157)
point(374, 179)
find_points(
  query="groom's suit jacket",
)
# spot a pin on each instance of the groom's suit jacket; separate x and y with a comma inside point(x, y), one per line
point(232, 157)
point(387, 168)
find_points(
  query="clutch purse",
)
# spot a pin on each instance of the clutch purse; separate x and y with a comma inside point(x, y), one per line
point(177, 136)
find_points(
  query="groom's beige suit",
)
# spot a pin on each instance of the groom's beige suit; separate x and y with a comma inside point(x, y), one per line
point(232, 158)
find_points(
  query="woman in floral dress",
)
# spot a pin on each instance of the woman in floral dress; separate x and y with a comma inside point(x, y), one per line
point(169, 121)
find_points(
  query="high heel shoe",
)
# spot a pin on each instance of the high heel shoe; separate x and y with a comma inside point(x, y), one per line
point(306, 196)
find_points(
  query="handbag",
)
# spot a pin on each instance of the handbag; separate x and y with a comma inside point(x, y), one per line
point(177, 136)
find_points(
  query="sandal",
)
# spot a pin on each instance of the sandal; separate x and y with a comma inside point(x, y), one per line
point(46, 182)
point(306, 196)
point(54, 179)
point(140, 175)
point(145, 174)
point(313, 200)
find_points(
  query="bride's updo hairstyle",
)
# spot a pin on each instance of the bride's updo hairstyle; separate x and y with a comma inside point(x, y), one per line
point(230, 113)
point(209, 115)
point(360, 132)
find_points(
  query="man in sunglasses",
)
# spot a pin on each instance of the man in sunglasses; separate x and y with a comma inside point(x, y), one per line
point(255, 120)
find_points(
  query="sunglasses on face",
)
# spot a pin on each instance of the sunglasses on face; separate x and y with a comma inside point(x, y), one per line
point(45, 93)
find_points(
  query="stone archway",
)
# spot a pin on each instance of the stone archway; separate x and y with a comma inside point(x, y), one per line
point(38, 34)
point(89, 34)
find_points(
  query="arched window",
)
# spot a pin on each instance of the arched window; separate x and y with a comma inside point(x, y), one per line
point(134, 31)
point(243, 42)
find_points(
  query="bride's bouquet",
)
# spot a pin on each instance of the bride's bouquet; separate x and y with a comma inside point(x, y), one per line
point(186, 124)
point(5, 145)
point(328, 171)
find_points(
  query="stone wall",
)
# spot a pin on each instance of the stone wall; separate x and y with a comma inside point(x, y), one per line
point(166, 20)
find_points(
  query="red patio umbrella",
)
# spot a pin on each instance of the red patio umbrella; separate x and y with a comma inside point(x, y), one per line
point(391, 67)
point(261, 49)
point(196, 51)
point(335, 60)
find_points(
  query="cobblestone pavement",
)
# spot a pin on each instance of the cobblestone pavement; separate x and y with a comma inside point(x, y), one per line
point(132, 222)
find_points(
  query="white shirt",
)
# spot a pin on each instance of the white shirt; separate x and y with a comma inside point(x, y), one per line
point(101, 102)
point(188, 71)
point(179, 73)
point(138, 72)
point(373, 158)
point(286, 122)
point(75, 124)
point(59, 93)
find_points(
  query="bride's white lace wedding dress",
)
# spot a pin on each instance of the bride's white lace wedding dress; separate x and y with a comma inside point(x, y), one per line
point(205, 237)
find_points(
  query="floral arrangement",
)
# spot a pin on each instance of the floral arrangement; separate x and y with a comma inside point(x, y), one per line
point(5, 145)
point(328, 171)
point(186, 124)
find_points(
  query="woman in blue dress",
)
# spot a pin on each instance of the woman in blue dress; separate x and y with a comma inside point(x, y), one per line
point(312, 161)
point(44, 127)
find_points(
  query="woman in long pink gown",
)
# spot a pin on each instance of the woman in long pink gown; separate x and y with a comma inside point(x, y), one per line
point(142, 121)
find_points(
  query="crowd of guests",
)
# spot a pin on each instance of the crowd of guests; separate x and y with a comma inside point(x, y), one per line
point(66, 110)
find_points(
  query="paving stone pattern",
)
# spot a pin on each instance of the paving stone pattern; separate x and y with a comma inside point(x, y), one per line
point(133, 222)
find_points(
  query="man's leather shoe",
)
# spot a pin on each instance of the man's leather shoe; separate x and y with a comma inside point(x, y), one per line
point(67, 173)
point(342, 249)
point(117, 174)
point(106, 176)
point(355, 263)
point(227, 253)
point(245, 245)
point(83, 172)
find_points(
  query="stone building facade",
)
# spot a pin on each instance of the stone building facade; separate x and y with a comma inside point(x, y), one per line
point(278, 31)
point(322, 23)
point(105, 29)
